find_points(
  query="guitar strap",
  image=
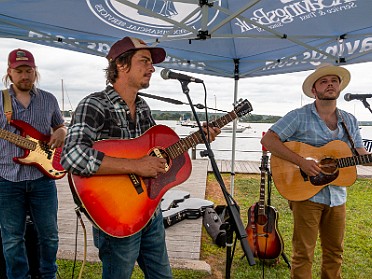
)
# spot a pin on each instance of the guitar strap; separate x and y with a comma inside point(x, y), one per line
point(7, 105)
point(353, 149)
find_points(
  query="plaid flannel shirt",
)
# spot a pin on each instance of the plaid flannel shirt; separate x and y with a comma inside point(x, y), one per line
point(101, 115)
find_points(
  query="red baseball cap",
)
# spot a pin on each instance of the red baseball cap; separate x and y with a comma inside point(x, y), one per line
point(21, 57)
point(129, 43)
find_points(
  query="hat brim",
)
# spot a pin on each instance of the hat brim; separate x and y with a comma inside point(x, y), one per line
point(22, 63)
point(325, 71)
point(158, 54)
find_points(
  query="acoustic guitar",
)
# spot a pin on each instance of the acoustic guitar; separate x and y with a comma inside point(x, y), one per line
point(264, 238)
point(36, 150)
point(337, 165)
point(121, 205)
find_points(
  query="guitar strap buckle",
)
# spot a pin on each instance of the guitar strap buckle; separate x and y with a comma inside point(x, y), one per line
point(7, 105)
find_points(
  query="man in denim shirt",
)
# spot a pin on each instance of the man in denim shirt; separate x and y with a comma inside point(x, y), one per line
point(118, 112)
point(317, 124)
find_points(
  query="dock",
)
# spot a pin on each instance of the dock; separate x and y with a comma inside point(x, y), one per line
point(183, 239)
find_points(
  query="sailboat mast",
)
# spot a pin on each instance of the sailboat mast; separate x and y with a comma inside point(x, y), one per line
point(63, 98)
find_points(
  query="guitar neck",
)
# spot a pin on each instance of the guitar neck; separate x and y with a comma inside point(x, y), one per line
point(17, 140)
point(194, 139)
point(354, 160)
point(263, 170)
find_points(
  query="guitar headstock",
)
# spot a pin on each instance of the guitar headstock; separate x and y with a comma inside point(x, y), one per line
point(243, 107)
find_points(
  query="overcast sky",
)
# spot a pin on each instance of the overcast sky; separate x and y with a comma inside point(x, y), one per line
point(83, 74)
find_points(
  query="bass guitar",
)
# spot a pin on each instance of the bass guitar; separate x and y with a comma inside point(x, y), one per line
point(36, 150)
point(264, 238)
point(121, 205)
point(337, 165)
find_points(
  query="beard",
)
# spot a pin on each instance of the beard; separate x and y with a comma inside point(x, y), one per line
point(145, 85)
point(25, 86)
point(326, 97)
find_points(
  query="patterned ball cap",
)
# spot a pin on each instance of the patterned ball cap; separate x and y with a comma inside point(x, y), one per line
point(20, 57)
point(129, 43)
point(325, 70)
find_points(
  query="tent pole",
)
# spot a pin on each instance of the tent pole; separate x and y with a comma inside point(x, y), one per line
point(232, 172)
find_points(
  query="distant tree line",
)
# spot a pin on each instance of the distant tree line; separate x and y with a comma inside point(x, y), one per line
point(184, 115)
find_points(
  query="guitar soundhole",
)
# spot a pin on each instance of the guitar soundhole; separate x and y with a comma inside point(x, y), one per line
point(160, 153)
point(261, 220)
point(328, 166)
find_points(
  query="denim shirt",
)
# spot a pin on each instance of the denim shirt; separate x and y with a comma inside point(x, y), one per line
point(305, 125)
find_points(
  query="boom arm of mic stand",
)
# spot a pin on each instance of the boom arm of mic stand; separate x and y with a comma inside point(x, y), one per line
point(174, 101)
point(231, 204)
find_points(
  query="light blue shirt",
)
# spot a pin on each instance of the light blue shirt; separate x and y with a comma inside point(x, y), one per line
point(305, 125)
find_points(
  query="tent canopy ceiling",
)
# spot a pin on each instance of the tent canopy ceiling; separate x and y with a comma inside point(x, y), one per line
point(230, 38)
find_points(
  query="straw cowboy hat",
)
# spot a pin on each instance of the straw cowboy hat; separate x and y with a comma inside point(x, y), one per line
point(325, 70)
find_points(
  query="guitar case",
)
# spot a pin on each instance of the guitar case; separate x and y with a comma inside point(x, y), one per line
point(191, 208)
point(31, 248)
point(177, 205)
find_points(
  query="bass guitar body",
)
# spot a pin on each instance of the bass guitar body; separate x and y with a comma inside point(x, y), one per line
point(37, 153)
point(264, 238)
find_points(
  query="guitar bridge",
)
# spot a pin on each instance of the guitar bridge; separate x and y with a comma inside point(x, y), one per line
point(136, 183)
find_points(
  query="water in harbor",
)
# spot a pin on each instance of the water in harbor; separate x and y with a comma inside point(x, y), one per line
point(247, 145)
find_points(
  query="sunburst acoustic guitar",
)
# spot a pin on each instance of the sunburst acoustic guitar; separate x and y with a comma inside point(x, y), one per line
point(264, 238)
point(121, 205)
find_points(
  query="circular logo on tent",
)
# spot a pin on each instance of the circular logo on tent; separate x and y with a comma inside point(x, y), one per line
point(151, 17)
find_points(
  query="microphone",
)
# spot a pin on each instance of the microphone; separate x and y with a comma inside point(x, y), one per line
point(168, 74)
point(348, 97)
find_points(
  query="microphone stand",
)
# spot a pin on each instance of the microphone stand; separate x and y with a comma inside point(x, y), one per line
point(234, 221)
point(366, 105)
point(176, 102)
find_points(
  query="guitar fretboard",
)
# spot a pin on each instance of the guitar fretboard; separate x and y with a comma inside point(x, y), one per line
point(194, 139)
point(263, 170)
point(354, 160)
point(18, 140)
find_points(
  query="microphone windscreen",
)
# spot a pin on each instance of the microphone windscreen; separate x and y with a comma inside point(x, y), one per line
point(164, 74)
point(347, 97)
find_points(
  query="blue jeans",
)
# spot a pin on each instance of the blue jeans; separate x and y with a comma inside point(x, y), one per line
point(40, 198)
point(118, 255)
